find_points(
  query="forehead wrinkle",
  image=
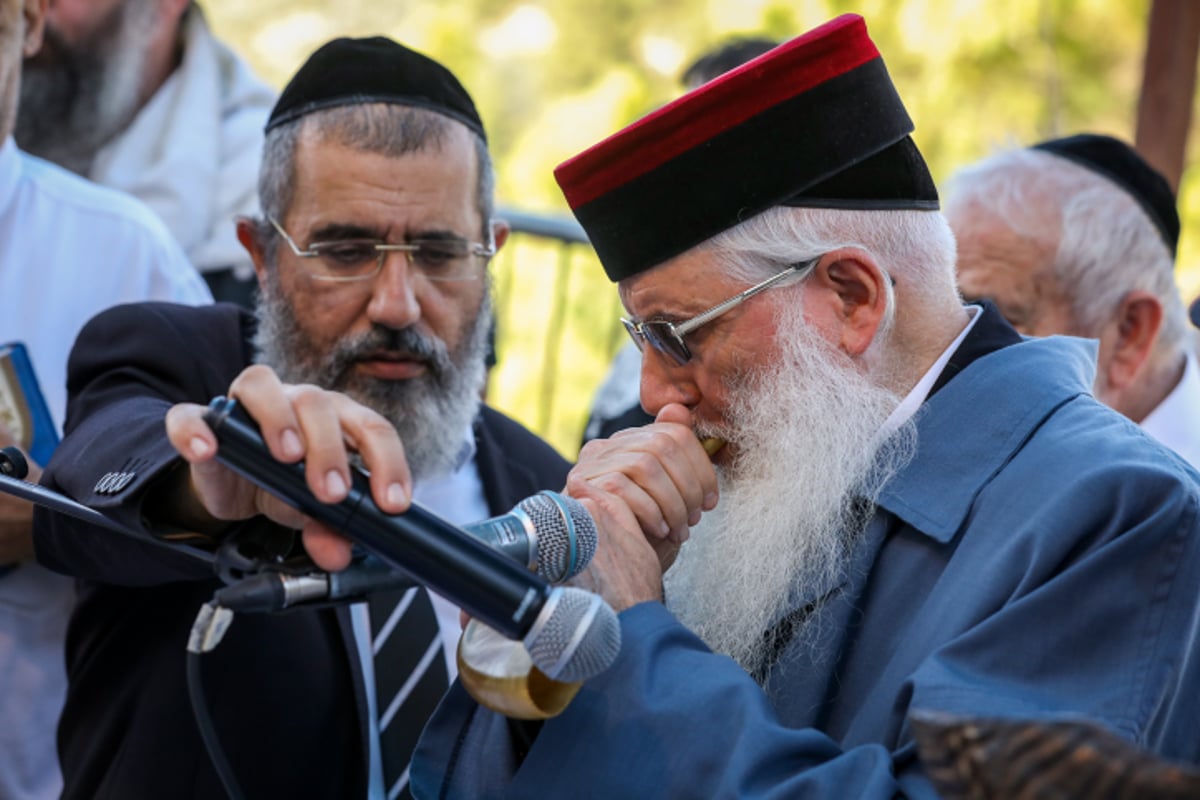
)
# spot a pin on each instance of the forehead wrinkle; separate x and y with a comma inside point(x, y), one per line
point(675, 290)
point(373, 195)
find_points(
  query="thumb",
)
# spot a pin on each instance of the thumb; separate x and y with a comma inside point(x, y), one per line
point(674, 412)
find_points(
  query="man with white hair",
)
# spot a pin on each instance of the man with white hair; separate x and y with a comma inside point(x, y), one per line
point(1078, 236)
point(617, 404)
point(912, 507)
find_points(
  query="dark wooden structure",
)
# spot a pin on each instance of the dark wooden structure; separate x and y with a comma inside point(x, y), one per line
point(1015, 759)
point(1168, 85)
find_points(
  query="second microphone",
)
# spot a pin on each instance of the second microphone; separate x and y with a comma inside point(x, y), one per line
point(551, 534)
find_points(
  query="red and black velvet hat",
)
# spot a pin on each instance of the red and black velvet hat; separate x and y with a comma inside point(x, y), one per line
point(815, 122)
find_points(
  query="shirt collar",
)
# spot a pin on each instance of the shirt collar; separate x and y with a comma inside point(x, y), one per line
point(466, 451)
point(1173, 421)
point(913, 400)
point(10, 171)
point(464, 457)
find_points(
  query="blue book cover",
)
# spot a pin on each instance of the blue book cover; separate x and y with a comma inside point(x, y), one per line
point(23, 410)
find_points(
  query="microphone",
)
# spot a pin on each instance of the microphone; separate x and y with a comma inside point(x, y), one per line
point(570, 634)
point(549, 533)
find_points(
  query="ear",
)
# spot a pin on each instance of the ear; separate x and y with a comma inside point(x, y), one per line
point(850, 300)
point(1129, 339)
point(247, 233)
point(34, 12)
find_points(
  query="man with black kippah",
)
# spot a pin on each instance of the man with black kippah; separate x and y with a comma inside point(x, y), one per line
point(371, 329)
point(910, 507)
point(1077, 236)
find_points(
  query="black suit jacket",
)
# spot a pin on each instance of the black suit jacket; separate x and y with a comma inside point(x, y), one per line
point(285, 690)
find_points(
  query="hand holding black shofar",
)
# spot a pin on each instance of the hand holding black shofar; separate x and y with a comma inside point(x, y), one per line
point(1009, 759)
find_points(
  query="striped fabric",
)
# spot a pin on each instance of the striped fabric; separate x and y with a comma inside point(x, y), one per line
point(410, 677)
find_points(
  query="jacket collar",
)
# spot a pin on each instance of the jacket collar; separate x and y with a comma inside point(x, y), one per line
point(974, 424)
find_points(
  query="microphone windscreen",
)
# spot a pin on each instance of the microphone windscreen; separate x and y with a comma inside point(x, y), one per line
point(566, 534)
point(579, 637)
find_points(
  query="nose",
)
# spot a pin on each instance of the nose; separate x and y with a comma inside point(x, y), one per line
point(394, 301)
point(665, 382)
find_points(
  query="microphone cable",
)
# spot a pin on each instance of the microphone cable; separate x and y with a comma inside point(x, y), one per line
point(210, 625)
point(569, 545)
point(207, 631)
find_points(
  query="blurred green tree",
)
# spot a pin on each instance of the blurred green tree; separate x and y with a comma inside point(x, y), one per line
point(552, 77)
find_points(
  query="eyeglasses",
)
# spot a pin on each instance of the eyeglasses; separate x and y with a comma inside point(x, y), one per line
point(360, 259)
point(667, 337)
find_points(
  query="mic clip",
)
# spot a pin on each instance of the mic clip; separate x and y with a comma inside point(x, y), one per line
point(265, 569)
point(256, 560)
point(260, 546)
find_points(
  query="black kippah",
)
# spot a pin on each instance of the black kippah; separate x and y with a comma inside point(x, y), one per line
point(375, 70)
point(1121, 164)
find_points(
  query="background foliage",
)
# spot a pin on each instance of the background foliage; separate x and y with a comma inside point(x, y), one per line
point(553, 76)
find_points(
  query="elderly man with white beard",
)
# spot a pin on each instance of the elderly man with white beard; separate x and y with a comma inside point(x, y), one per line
point(914, 508)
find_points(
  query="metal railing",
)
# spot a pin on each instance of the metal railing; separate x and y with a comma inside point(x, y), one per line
point(558, 326)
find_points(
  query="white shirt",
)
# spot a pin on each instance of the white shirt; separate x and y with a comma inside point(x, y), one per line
point(192, 152)
point(1176, 420)
point(68, 250)
point(917, 395)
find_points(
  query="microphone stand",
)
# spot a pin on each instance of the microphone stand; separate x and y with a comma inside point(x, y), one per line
point(210, 624)
point(14, 468)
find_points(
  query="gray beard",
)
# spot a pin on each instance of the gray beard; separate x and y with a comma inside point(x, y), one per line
point(432, 413)
point(77, 98)
point(811, 463)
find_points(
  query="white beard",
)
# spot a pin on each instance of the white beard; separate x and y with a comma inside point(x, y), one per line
point(810, 464)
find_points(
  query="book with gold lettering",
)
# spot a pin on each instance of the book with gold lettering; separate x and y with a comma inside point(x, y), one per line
point(23, 410)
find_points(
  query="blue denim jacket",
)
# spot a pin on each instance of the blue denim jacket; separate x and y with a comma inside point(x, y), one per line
point(1039, 557)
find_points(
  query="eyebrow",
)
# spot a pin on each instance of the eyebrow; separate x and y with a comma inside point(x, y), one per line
point(439, 235)
point(675, 318)
point(339, 231)
point(660, 312)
